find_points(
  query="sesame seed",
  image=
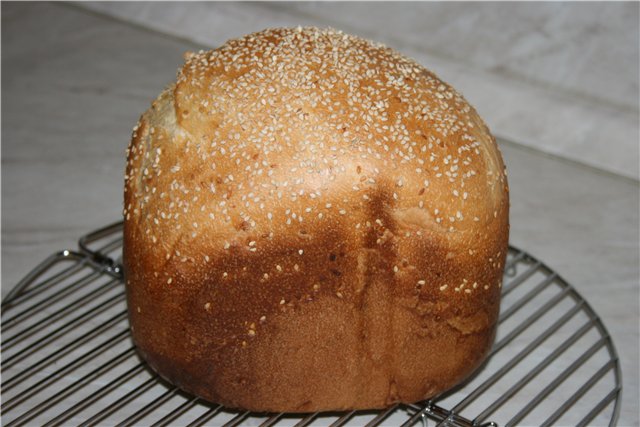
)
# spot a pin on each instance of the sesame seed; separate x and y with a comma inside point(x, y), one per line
point(278, 146)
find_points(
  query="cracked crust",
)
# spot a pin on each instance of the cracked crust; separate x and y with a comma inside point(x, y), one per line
point(313, 222)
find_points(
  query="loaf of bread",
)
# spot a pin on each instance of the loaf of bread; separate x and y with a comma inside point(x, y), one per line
point(312, 222)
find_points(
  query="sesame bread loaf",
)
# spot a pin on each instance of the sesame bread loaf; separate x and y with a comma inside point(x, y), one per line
point(313, 222)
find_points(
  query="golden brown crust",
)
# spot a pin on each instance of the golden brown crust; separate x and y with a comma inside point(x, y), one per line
point(313, 222)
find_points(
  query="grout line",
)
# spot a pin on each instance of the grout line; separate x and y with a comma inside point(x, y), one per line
point(577, 163)
point(280, 9)
point(77, 6)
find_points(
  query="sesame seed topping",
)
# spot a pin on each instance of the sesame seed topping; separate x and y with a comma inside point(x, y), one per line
point(303, 116)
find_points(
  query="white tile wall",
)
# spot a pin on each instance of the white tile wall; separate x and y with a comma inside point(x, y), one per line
point(559, 77)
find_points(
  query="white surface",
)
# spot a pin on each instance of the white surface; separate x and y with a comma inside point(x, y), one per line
point(75, 83)
point(558, 77)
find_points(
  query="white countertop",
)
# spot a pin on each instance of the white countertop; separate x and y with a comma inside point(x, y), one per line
point(74, 84)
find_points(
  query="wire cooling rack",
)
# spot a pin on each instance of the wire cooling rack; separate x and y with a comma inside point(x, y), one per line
point(68, 359)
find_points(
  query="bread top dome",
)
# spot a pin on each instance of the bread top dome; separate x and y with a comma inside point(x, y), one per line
point(277, 138)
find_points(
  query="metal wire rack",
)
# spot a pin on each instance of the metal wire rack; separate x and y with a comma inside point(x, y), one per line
point(67, 357)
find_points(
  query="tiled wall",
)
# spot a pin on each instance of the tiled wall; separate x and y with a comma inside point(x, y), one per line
point(558, 77)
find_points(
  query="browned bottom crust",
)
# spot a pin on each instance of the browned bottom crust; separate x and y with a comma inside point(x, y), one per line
point(311, 359)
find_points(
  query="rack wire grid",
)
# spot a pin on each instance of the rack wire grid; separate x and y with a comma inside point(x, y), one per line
point(68, 359)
